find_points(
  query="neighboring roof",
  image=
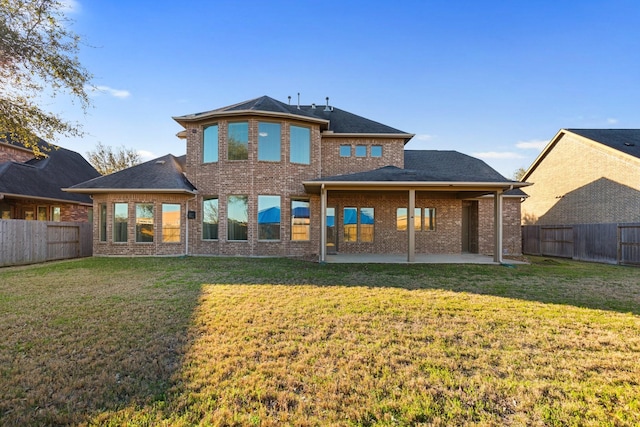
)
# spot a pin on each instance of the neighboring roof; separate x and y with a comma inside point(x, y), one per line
point(164, 174)
point(331, 118)
point(430, 168)
point(626, 141)
point(44, 178)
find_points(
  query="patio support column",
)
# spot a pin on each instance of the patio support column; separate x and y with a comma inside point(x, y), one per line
point(497, 226)
point(411, 235)
point(323, 224)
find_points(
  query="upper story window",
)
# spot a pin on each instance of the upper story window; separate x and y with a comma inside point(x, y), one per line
point(238, 141)
point(300, 145)
point(361, 151)
point(345, 151)
point(269, 142)
point(376, 151)
point(210, 144)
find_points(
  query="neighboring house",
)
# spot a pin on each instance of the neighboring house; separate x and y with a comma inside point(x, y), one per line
point(585, 176)
point(265, 178)
point(31, 186)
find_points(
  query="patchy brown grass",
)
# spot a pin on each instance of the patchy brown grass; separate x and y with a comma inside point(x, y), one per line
point(221, 341)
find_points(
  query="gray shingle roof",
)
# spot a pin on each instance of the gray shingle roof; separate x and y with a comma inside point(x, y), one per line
point(624, 140)
point(429, 166)
point(340, 121)
point(45, 177)
point(163, 173)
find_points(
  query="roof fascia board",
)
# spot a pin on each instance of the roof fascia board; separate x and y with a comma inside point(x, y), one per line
point(331, 134)
point(220, 114)
point(544, 153)
point(46, 199)
point(407, 185)
point(127, 190)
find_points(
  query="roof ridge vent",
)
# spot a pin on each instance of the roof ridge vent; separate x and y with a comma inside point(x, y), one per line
point(327, 108)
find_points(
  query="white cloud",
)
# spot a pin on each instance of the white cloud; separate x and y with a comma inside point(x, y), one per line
point(70, 6)
point(498, 155)
point(534, 144)
point(612, 121)
point(116, 93)
point(146, 155)
point(423, 137)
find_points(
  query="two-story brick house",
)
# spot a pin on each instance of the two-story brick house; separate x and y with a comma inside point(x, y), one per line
point(266, 178)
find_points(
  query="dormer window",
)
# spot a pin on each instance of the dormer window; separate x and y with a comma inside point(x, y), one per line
point(238, 141)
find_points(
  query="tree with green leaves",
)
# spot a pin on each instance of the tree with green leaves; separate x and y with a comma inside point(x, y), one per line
point(107, 160)
point(519, 174)
point(38, 57)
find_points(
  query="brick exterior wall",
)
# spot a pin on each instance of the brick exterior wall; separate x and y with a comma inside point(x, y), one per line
point(580, 182)
point(334, 164)
point(11, 153)
point(511, 229)
point(131, 247)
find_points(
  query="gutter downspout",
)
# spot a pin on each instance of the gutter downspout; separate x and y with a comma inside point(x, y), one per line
point(186, 224)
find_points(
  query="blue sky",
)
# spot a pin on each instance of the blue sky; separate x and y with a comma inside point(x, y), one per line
point(492, 79)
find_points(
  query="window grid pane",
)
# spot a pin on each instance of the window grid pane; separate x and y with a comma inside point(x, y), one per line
point(361, 151)
point(171, 223)
point(237, 217)
point(430, 219)
point(401, 219)
point(268, 217)
point(300, 145)
point(350, 222)
point(210, 144)
point(210, 219)
point(269, 142)
point(376, 151)
point(120, 222)
point(367, 221)
point(238, 141)
point(345, 151)
point(300, 221)
point(144, 223)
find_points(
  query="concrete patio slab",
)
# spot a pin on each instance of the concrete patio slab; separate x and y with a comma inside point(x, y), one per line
point(419, 259)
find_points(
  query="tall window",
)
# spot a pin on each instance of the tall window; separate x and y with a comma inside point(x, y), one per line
point(144, 222)
point(269, 142)
point(56, 213)
point(237, 217)
point(300, 221)
point(210, 218)
point(170, 222)
point(102, 208)
point(42, 213)
point(268, 217)
point(300, 145)
point(210, 144)
point(366, 224)
point(120, 221)
point(350, 222)
point(429, 219)
point(238, 141)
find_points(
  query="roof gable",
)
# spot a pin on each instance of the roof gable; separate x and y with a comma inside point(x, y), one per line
point(626, 141)
point(165, 174)
point(44, 177)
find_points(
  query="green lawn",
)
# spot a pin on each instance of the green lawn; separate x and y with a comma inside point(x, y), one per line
point(228, 341)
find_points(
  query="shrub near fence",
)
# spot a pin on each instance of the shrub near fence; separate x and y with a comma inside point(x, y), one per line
point(29, 242)
point(606, 243)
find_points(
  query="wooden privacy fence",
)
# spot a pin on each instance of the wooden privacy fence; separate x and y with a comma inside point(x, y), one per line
point(606, 243)
point(29, 242)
